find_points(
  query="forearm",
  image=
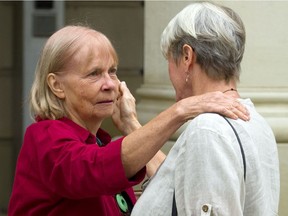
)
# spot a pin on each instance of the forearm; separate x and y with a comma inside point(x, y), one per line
point(153, 165)
point(156, 161)
point(139, 147)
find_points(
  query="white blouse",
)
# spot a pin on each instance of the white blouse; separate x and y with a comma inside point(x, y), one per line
point(205, 168)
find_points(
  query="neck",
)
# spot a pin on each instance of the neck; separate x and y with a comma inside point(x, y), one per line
point(201, 84)
point(230, 89)
point(210, 86)
point(231, 92)
point(91, 126)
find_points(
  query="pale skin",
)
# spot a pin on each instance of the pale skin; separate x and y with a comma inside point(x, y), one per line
point(90, 92)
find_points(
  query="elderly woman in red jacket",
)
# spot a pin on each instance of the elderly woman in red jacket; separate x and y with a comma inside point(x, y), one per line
point(67, 164)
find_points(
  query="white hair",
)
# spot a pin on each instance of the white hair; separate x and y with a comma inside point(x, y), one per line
point(216, 34)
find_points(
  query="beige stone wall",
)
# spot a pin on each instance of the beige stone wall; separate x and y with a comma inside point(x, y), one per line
point(264, 77)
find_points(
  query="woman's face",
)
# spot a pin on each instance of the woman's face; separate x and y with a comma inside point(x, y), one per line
point(90, 85)
point(178, 78)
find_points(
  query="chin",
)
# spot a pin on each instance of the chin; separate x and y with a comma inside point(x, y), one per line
point(103, 115)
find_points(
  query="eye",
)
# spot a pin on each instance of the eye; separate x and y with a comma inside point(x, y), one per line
point(95, 73)
point(113, 71)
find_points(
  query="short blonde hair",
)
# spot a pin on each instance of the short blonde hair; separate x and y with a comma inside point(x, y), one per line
point(58, 51)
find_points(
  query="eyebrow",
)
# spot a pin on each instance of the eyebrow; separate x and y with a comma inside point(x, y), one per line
point(97, 68)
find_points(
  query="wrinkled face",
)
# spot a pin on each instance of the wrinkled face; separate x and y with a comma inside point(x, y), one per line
point(90, 84)
point(178, 78)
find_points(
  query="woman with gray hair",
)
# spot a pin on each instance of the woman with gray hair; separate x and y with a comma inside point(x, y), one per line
point(68, 166)
point(218, 166)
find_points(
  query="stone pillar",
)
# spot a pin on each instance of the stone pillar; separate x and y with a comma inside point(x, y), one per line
point(264, 78)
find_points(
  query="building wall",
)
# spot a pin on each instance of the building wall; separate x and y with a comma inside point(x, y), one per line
point(264, 77)
point(6, 86)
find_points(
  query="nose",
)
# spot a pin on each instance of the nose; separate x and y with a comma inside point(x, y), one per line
point(108, 82)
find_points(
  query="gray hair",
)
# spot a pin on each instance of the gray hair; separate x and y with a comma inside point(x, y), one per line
point(215, 33)
point(58, 51)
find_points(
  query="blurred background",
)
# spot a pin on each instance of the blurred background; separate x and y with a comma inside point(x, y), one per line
point(135, 27)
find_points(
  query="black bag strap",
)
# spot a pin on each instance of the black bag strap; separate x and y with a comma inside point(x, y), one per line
point(174, 207)
point(241, 147)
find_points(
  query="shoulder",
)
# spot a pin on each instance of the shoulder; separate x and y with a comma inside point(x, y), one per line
point(208, 131)
point(207, 122)
point(54, 129)
point(47, 124)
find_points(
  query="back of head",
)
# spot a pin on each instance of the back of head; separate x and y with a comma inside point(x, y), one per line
point(216, 34)
point(59, 50)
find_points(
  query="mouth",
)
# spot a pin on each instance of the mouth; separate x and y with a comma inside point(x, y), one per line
point(106, 102)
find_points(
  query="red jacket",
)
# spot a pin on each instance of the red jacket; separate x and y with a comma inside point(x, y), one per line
point(62, 171)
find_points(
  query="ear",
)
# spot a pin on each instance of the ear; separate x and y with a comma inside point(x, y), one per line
point(188, 56)
point(55, 85)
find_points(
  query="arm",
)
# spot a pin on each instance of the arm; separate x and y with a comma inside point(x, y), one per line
point(73, 168)
point(153, 165)
point(142, 143)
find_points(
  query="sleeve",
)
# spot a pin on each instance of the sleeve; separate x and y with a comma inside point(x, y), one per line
point(74, 169)
point(212, 183)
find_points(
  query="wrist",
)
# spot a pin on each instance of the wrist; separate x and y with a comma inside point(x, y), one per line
point(181, 112)
point(131, 126)
point(188, 109)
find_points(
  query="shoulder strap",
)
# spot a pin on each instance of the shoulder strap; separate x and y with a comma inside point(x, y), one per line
point(174, 207)
point(241, 147)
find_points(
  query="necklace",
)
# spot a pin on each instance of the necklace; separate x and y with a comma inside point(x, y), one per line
point(231, 89)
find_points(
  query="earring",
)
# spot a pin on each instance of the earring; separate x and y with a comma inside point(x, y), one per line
point(187, 77)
